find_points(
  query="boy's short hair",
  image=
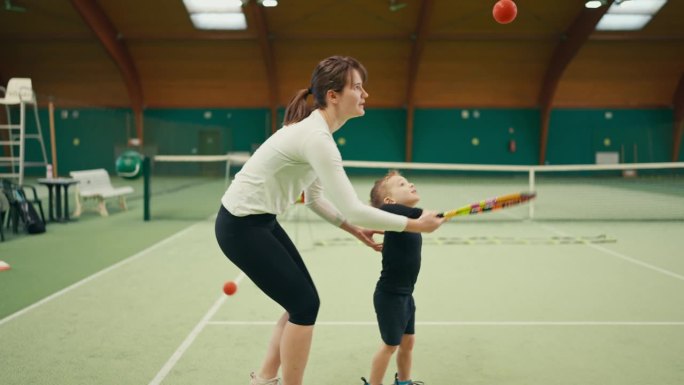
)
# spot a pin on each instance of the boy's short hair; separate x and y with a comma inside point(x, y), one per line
point(379, 191)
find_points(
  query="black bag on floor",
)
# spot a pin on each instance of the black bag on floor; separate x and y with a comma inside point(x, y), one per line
point(34, 224)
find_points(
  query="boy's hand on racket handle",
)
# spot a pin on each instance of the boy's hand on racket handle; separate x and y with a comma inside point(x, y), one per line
point(427, 223)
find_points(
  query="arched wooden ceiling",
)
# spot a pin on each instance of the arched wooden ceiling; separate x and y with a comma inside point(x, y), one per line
point(430, 53)
point(466, 59)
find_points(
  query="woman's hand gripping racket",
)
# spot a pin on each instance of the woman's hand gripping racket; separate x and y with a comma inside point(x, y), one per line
point(492, 204)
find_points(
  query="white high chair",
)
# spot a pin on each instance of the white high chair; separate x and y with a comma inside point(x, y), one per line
point(19, 92)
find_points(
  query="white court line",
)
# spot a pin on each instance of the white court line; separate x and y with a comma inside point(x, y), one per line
point(621, 256)
point(176, 356)
point(468, 323)
point(96, 275)
point(612, 252)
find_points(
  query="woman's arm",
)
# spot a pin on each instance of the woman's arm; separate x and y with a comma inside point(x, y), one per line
point(326, 210)
point(320, 151)
point(427, 223)
point(363, 235)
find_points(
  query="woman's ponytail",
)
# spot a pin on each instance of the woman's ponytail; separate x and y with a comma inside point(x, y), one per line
point(297, 109)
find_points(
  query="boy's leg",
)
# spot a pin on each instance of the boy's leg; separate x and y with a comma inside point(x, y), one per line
point(380, 362)
point(390, 310)
point(405, 357)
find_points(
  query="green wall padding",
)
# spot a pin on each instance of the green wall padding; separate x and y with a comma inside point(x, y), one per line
point(643, 135)
point(93, 137)
point(85, 138)
point(203, 132)
point(377, 136)
point(480, 137)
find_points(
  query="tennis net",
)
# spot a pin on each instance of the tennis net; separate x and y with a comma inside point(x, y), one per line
point(610, 192)
point(638, 191)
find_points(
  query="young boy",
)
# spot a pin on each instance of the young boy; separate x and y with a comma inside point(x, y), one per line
point(393, 299)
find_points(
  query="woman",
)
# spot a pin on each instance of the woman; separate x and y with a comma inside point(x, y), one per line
point(302, 156)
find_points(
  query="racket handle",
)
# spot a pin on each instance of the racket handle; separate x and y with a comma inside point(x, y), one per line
point(440, 215)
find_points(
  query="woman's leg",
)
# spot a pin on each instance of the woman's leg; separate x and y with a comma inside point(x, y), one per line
point(295, 344)
point(264, 252)
point(380, 362)
point(294, 352)
point(271, 364)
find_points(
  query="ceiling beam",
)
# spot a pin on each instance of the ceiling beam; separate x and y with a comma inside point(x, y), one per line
point(398, 37)
point(678, 104)
point(573, 40)
point(420, 37)
point(95, 17)
point(259, 17)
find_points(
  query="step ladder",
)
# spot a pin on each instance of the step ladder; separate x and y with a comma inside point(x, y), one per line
point(19, 92)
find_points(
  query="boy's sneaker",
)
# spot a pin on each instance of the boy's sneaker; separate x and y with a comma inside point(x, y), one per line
point(254, 381)
point(409, 382)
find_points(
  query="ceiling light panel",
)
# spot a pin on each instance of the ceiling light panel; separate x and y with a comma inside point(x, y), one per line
point(622, 22)
point(219, 21)
point(213, 6)
point(649, 7)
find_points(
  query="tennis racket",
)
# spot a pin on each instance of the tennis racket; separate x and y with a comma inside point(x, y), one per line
point(490, 204)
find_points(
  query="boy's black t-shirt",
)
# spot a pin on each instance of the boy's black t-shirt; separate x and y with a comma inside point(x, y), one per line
point(400, 254)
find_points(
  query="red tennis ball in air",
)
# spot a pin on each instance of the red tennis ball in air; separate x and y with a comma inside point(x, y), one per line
point(230, 288)
point(504, 11)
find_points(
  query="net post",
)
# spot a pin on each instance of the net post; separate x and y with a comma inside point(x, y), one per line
point(530, 207)
point(146, 188)
point(227, 169)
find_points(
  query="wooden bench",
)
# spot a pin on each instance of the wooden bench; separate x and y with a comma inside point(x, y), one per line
point(95, 184)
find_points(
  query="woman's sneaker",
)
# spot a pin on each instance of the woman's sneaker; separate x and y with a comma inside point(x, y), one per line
point(253, 380)
point(409, 382)
point(365, 382)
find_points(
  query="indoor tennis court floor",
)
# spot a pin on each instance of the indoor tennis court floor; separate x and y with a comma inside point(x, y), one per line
point(498, 302)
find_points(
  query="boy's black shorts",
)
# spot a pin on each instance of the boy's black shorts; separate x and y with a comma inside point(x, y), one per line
point(396, 315)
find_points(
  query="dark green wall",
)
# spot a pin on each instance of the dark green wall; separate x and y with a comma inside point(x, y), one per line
point(480, 136)
point(92, 138)
point(377, 136)
point(176, 132)
point(203, 132)
point(85, 138)
point(638, 135)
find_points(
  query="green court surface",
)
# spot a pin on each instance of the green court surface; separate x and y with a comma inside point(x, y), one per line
point(499, 301)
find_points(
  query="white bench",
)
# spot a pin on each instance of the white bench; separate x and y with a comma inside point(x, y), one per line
point(95, 184)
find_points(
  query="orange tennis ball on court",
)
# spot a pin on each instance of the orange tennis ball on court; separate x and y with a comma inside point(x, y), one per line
point(505, 11)
point(229, 288)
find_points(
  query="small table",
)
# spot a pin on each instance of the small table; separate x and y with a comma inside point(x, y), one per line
point(58, 184)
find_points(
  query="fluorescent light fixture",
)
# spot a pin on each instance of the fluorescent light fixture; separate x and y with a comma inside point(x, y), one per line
point(213, 6)
point(628, 15)
point(650, 7)
point(611, 22)
point(269, 3)
point(225, 21)
point(216, 14)
point(593, 4)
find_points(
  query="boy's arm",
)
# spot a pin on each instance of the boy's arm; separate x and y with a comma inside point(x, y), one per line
point(410, 212)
